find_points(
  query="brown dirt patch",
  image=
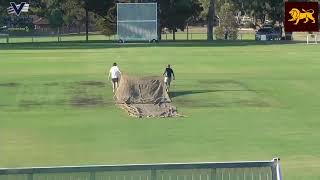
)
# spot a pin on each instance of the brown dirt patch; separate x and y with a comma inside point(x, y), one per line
point(52, 84)
point(91, 83)
point(11, 84)
point(30, 103)
point(87, 101)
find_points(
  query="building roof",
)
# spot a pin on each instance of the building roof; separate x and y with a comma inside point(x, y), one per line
point(40, 20)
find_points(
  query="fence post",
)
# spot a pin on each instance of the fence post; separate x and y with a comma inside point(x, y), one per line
point(92, 175)
point(30, 177)
point(213, 174)
point(153, 174)
point(8, 38)
point(274, 170)
point(187, 31)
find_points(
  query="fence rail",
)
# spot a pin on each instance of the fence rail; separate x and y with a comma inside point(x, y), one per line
point(248, 170)
point(34, 38)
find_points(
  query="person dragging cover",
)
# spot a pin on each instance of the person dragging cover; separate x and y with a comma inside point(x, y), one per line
point(168, 75)
point(115, 74)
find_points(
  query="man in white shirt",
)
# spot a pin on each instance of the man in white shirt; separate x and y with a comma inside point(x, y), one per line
point(115, 74)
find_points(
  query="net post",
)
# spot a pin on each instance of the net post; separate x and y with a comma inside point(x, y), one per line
point(118, 19)
point(157, 38)
point(275, 169)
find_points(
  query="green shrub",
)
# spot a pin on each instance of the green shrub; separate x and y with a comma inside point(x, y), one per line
point(219, 33)
point(107, 24)
point(228, 23)
point(233, 34)
point(249, 24)
point(106, 27)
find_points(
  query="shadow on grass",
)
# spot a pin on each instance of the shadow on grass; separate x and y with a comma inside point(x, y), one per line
point(190, 92)
point(112, 44)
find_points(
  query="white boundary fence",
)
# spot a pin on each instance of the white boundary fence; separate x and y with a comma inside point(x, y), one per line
point(246, 170)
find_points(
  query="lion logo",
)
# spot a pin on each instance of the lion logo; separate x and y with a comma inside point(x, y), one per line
point(297, 15)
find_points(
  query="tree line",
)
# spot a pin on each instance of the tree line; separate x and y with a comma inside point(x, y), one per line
point(173, 14)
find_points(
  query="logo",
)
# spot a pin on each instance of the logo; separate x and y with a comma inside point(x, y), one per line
point(297, 15)
point(301, 16)
point(26, 29)
point(18, 8)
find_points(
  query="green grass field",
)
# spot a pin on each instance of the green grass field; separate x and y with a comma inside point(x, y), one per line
point(242, 101)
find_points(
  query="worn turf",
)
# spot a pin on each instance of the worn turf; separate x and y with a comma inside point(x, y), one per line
point(242, 101)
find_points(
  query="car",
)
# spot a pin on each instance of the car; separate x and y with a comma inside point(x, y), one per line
point(267, 34)
point(3, 28)
point(267, 26)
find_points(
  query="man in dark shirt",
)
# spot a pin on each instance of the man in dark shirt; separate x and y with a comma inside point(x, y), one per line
point(168, 75)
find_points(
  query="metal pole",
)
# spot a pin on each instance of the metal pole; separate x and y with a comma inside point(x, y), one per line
point(58, 35)
point(213, 174)
point(92, 175)
point(153, 174)
point(187, 31)
point(87, 23)
point(274, 169)
point(30, 177)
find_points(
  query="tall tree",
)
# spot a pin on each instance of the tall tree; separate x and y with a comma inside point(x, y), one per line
point(3, 12)
point(228, 28)
point(99, 7)
point(210, 20)
point(175, 13)
point(54, 13)
point(74, 14)
point(276, 10)
point(108, 23)
point(56, 19)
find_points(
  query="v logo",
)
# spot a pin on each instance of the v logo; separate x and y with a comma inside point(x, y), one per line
point(17, 8)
